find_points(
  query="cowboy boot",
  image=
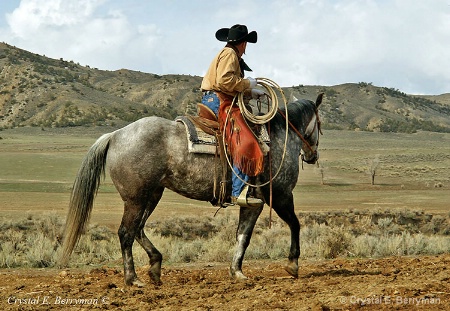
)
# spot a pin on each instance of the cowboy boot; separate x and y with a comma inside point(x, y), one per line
point(245, 201)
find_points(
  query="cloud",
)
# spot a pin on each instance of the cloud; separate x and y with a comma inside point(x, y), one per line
point(77, 30)
point(402, 44)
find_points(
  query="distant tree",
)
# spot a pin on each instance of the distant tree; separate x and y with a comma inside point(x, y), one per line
point(321, 170)
point(374, 165)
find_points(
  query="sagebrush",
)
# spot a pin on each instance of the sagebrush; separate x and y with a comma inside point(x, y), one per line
point(34, 241)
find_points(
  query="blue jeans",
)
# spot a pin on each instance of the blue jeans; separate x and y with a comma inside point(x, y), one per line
point(212, 102)
point(237, 184)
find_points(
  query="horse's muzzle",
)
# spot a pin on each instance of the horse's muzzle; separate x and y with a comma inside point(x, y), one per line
point(311, 160)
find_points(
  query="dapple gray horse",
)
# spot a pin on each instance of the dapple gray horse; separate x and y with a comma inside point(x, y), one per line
point(151, 154)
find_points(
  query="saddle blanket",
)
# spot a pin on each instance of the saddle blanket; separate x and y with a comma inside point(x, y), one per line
point(201, 142)
point(198, 140)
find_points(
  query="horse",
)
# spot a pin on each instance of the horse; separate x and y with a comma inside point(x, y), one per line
point(151, 154)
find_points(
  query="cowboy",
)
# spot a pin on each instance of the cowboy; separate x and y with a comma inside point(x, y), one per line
point(222, 82)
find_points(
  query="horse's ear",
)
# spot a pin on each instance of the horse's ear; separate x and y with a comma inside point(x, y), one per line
point(292, 98)
point(319, 100)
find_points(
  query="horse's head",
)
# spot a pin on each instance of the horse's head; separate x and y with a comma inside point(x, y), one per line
point(311, 132)
point(310, 154)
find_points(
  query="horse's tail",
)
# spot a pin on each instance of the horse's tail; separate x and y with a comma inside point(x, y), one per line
point(82, 198)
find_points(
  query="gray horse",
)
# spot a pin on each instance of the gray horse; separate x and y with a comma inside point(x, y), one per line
point(151, 154)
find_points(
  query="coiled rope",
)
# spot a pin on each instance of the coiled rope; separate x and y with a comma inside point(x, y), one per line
point(270, 89)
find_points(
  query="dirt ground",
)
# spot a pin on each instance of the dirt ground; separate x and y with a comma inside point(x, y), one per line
point(395, 283)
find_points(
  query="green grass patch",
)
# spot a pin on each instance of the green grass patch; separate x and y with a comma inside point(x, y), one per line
point(34, 187)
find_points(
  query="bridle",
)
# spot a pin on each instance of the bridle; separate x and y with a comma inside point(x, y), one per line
point(303, 139)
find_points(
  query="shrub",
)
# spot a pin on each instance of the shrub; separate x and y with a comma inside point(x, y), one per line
point(34, 241)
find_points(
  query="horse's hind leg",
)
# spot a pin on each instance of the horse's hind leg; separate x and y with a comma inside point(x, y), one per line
point(247, 220)
point(128, 229)
point(154, 255)
point(133, 221)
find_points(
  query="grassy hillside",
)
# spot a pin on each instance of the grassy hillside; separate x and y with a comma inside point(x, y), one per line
point(39, 91)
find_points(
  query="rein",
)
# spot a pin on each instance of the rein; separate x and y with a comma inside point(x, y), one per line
point(317, 124)
point(297, 131)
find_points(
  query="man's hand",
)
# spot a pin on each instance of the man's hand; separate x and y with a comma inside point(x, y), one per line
point(256, 93)
point(252, 82)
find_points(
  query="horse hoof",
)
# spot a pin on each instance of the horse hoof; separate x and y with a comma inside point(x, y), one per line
point(138, 283)
point(292, 269)
point(239, 276)
point(155, 274)
point(155, 280)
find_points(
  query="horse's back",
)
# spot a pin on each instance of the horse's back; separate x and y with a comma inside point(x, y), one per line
point(145, 129)
point(138, 152)
point(153, 152)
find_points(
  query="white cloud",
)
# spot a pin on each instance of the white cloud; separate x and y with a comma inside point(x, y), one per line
point(34, 15)
point(401, 44)
point(395, 43)
point(79, 31)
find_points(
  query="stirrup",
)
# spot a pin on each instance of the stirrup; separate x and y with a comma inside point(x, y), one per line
point(244, 201)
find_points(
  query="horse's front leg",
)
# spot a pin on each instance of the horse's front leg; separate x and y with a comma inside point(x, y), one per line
point(247, 220)
point(284, 207)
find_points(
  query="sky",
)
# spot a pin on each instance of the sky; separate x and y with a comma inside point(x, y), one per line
point(400, 44)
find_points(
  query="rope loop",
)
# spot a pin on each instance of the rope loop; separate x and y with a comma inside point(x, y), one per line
point(271, 87)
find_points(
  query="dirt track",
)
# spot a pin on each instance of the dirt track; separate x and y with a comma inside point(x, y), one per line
point(399, 283)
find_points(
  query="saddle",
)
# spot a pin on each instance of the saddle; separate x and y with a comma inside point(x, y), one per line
point(204, 136)
point(202, 131)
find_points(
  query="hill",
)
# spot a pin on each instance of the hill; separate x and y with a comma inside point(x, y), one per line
point(39, 91)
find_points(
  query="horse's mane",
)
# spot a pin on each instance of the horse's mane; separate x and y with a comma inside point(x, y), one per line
point(297, 111)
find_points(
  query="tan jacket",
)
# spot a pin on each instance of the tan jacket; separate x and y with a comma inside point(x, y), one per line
point(224, 74)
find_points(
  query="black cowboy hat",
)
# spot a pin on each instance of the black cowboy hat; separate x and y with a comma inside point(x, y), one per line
point(236, 34)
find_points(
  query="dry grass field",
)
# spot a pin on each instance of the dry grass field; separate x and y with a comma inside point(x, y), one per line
point(363, 245)
point(38, 168)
